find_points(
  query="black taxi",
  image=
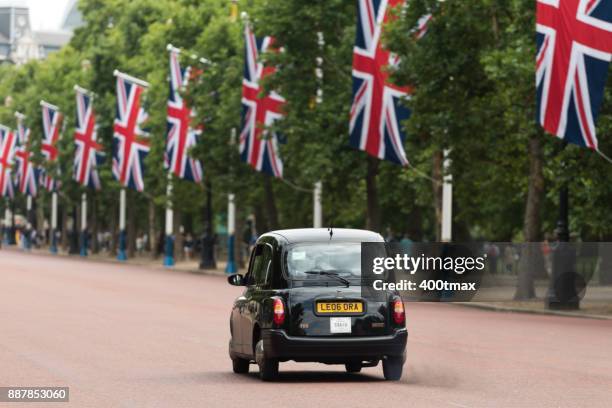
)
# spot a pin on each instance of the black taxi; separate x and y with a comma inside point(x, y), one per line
point(302, 302)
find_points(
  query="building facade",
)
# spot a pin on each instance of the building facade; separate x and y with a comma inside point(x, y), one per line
point(19, 43)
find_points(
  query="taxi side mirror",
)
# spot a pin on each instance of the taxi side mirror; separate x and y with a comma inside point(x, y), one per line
point(236, 280)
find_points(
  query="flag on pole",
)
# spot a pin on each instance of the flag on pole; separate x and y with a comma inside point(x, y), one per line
point(376, 112)
point(8, 142)
point(423, 26)
point(181, 135)
point(52, 123)
point(574, 48)
point(130, 141)
point(26, 173)
point(88, 155)
point(259, 145)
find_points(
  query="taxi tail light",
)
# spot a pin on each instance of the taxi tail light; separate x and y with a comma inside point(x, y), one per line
point(278, 315)
point(397, 311)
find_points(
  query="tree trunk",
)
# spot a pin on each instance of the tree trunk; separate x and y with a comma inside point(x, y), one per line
point(95, 245)
point(40, 216)
point(152, 230)
point(74, 231)
point(373, 207)
point(238, 244)
point(438, 159)
point(272, 212)
point(114, 229)
point(532, 223)
point(605, 264)
point(64, 221)
point(178, 236)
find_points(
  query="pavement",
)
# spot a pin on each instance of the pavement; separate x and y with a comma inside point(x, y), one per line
point(123, 335)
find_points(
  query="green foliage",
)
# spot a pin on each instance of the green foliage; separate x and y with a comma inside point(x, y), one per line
point(472, 78)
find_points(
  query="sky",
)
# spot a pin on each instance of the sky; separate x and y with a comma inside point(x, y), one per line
point(46, 14)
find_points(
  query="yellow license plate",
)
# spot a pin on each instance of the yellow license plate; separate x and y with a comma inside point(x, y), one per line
point(339, 307)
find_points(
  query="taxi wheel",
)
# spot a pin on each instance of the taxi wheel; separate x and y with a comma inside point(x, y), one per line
point(392, 368)
point(353, 367)
point(268, 368)
point(240, 365)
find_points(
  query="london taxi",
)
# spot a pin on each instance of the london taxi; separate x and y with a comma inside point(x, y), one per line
point(302, 302)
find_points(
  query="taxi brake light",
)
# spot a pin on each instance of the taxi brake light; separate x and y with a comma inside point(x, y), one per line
point(279, 312)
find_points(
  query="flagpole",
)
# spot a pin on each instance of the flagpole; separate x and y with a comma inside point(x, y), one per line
point(130, 78)
point(169, 231)
point(231, 234)
point(84, 238)
point(122, 256)
point(53, 237)
point(317, 209)
point(447, 200)
point(230, 267)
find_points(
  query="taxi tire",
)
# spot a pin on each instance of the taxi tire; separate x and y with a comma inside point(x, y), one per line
point(353, 367)
point(240, 365)
point(268, 367)
point(392, 368)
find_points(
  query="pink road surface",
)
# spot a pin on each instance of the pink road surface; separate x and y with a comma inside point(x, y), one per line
point(130, 336)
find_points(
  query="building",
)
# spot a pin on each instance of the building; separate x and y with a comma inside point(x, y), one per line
point(19, 43)
point(72, 17)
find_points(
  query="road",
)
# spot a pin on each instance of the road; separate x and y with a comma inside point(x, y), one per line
point(130, 336)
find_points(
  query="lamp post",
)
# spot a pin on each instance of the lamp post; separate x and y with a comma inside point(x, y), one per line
point(207, 256)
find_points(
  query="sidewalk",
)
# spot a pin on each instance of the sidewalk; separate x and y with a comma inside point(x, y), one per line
point(587, 309)
point(499, 296)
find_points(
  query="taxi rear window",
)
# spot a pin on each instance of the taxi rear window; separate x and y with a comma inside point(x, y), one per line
point(316, 261)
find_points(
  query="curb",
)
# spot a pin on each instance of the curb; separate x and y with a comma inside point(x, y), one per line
point(510, 309)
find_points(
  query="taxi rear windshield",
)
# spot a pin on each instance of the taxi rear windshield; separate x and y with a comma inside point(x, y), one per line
point(324, 262)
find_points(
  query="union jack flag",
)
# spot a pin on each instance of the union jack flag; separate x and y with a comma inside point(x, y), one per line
point(423, 25)
point(574, 43)
point(26, 172)
point(52, 123)
point(376, 112)
point(8, 143)
point(258, 145)
point(88, 155)
point(130, 141)
point(181, 136)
